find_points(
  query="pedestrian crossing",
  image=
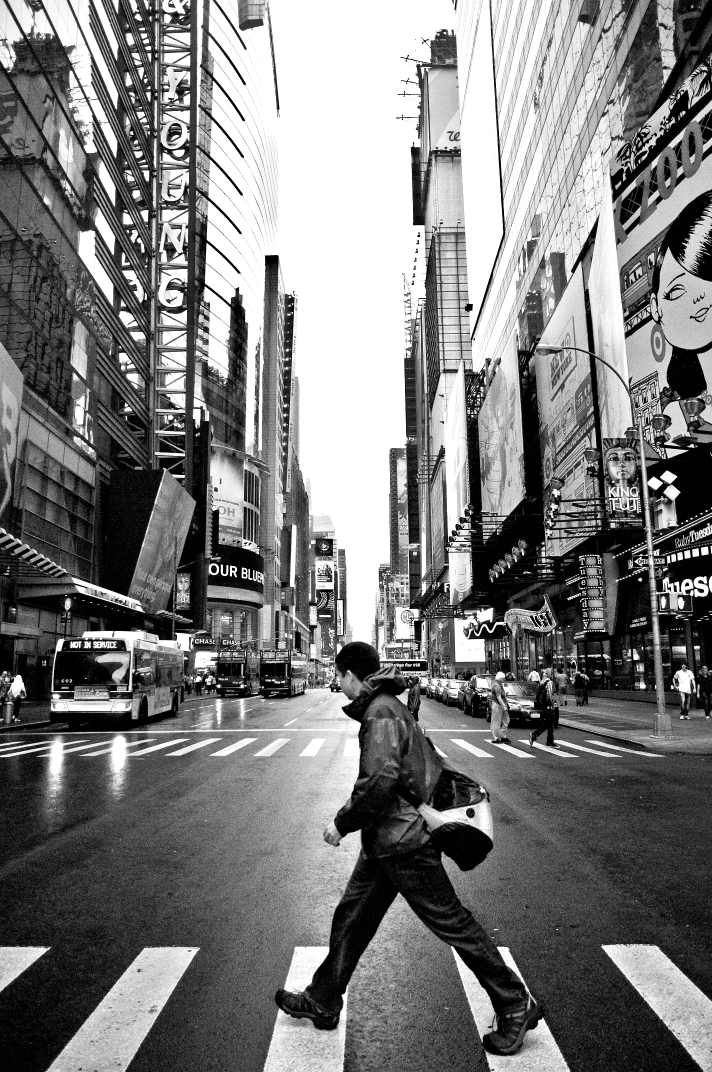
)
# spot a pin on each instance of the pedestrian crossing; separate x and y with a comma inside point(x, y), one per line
point(179, 747)
point(115, 1030)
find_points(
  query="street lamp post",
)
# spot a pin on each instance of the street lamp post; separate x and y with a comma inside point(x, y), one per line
point(663, 724)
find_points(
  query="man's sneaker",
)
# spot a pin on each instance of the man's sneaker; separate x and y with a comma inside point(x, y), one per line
point(510, 1027)
point(301, 1007)
point(681, 717)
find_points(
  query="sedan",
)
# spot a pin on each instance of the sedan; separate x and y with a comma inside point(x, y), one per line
point(521, 704)
point(451, 692)
point(475, 695)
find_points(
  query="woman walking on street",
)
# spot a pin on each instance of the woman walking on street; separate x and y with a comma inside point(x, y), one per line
point(17, 694)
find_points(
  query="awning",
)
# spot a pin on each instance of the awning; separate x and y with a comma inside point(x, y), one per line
point(167, 616)
point(61, 587)
point(23, 561)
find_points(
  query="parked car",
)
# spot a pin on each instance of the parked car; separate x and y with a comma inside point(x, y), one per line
point(475, 695)
point(429, 687)
point(334, 685)
point(437, 693)
point(450, 694)
point(521, 704)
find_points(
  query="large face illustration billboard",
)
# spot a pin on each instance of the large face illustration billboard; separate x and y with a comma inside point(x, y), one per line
point(663, 218)
point(502, 443)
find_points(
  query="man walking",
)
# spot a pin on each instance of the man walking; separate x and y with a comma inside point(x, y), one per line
point(397, 856)
point(704, 690)
point(544, 703)
point(414, 696)
point(684, 682)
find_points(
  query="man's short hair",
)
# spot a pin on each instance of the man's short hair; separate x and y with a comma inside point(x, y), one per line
point(361, 659)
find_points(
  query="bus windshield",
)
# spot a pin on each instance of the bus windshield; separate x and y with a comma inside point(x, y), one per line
point(91, 668)
point(231, 668)
point(275, 669)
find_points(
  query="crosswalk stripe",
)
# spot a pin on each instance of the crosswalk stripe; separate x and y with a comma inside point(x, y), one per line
point(156, 747)
point(313, 747)
point(12, 744)
point(684, 1009)
point(295, 1045)
point(539, 1053)
point(591, 751)
point(633, 751)
point(117, 743)
point(57, 748)
point(472, 748)
point(109, 1039)
point(234, 747)
point(272, 748)
point(194, 747)
point(15, 959)
point(27, 749)
point(513, 751)
point(440, 752)
point(551, 751)
point(351, 747)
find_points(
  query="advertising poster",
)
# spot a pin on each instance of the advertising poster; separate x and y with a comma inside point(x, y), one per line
point(437, 518)
point(325, 573)
point(662, 208)
point(566, 419)
point(502, 442)
point(182, 591)
point(458, 484)
point(11, 385)
point(227, 474)
point(402, 505)
point(340, 617)
point(162, 545)
point(325, 605)
point(328, 640)
point(468, 649)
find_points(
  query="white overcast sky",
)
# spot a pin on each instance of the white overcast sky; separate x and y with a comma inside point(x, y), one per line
point(346, 238)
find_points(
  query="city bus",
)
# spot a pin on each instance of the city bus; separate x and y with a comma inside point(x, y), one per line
point(129, 675)
point(283, 673)
point(237, 672)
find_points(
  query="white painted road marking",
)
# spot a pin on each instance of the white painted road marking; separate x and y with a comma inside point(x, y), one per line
point(351, 747)
point(113, 745)
point(194, 747)
point(16, 959)
point(684, 1009)
point(291, 722)
point(234, 747)
point(591, 751)
point(633, 751)
point(296, 1045)
point(27, 749)
point(272, 748)
point(472, 748)
point(111, 1037)
point(440, 752)
point(313, 747)
point(513, 751)
point(157, 747)
point(551, 751)
point(539, 1052)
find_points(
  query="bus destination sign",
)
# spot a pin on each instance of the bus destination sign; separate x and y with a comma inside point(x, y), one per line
point(94, 645)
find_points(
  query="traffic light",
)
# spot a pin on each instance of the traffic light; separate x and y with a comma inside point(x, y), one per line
point(674, 603)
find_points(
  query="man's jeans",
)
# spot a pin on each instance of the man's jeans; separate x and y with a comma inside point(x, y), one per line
point(685, 702)
point(422, 880)
point(500, 720)
point(547, 723)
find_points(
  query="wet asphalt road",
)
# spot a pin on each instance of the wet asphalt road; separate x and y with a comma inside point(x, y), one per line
point(106, 856)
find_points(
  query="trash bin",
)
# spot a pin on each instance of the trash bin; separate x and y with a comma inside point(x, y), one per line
point(7, 712)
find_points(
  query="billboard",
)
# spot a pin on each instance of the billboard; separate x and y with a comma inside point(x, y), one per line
point(502, 442)
point(238, 568)
point(566, 417)
point(323, 547)
point(328, 640)
point(141, 556)
point(325, 574)
point(325, 605)
point(662, 196)
point(340, 617)
point(227, 475)
point(468, 648)
point(458, 484)
point(11, 384)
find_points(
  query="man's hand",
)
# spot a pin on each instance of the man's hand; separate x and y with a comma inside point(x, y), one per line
point(332, 835)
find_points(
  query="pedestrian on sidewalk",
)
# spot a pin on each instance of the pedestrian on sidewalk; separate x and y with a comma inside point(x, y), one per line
point(684, 682)
point(562, 686)
point(499, 710)
point(704, 689)
point(17, 694)
point(534, 677)
point(581, 683)
point(397, 856)
point(544, 702)
point(414, 696)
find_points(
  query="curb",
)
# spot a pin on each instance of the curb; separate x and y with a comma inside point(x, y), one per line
point(25, 725)
point(676, 744)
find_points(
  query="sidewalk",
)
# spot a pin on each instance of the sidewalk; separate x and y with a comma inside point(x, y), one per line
point(634, 722)
point(32, 713)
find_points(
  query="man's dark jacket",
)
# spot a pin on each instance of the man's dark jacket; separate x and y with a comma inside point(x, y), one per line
point(395, 754)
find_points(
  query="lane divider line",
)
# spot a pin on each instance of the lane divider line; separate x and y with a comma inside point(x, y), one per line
point(296, 1045)
point(539, 1052)
point(109, 1040)
point(15, 959)
point(674, 998)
